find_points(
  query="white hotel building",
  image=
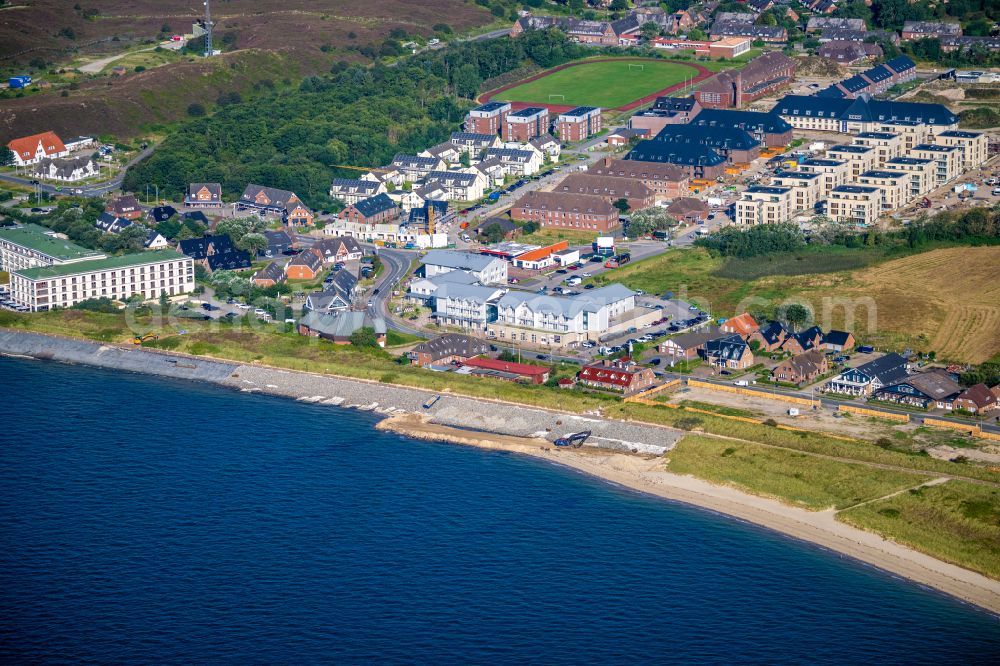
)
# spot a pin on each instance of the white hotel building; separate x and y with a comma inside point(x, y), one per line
point(149, 275)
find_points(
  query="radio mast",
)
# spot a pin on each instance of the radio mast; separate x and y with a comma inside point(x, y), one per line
point(208, 30)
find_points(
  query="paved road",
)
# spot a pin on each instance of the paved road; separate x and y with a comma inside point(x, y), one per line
point(92, 190)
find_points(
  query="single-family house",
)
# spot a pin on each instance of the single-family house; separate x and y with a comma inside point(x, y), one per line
point(927, 390)
point(688, 346)
point(771, 335)
point(800, 342)
point(340, 248)
point(378, 209)
point(305, 266)
point(270, 275)
point(870, 377)
point(977, 399)
point(338, 327)
point(111, 224)
point(279, 242)
point(203, 195)
point(35, 148)
point(448, 349)
point(272, 201)
point(801, 369)
point(728, 353)
point(215, 252)
point(66, 170)
point(743, 324)
point(124, 206)
point(839, 341)
point(619, 374)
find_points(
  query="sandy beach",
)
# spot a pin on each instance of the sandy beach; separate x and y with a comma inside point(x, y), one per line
point(626, 453)
point(647, 474)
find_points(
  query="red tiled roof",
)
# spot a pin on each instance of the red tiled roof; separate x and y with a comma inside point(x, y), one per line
point(743, 324)
point(507, 366)
point(25, 146)
point(616, 376)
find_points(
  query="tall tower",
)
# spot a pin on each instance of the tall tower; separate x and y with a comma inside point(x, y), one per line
point(208, 30)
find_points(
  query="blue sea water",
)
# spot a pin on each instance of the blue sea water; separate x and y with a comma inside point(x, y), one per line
point(145, 520)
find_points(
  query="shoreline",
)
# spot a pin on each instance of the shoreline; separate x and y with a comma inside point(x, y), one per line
point(646, 475)
point(624, 453)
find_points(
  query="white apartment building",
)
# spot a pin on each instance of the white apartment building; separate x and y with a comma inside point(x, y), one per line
point(561, 320)
point(833, 173)
point(855, 203)
point(947, 158)
point(861, 158)
point(469, 306)
point(895, 186)
point(516, 161)
point(764, 205)
point(913, 132)
point(149, 275)
point(886, 145)
point(922, 173)
point(31, 245)
point(806, 188)
point(465, 185)
point(486, 269)
point(974, 147)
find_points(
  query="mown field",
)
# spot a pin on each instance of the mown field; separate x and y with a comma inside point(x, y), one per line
point(607, 84)
point(796, 478)
point(958, 522)
point(945, 300)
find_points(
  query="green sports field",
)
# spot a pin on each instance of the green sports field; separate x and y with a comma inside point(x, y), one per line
point(607, 84)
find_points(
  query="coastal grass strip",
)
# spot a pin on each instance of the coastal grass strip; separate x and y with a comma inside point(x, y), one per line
point(956, 521)
point(796, 478)
point(265, 346)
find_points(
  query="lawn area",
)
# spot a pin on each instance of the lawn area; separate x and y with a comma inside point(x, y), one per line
point(806, 481)
point(397, 339)
point(550, 236)
point(606, 83)
point(957, 522)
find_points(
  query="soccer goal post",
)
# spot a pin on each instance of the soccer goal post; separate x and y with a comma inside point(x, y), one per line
point(562, 98)
point(636, 65)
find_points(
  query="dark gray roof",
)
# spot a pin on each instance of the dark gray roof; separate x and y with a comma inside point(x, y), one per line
point(453, 344)
point(375, 205)
point(273, 271)
point(649, 150)
point(719, 136)
point(111, 224)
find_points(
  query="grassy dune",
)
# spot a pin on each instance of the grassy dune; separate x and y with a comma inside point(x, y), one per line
point(796, 478)
point(957, 522)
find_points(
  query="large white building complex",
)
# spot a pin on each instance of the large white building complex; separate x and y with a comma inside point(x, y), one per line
point(149, 275)
point(32, 245)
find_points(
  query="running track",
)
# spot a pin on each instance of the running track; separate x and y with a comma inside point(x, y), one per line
point(559, 108)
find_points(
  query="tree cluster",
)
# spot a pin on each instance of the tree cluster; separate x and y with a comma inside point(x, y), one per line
point(356, 115)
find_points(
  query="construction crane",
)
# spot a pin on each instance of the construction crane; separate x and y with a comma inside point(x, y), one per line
point(361, 168)
point(430, 218)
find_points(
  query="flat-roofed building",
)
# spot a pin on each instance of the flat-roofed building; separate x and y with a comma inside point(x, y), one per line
point(922, 173)
point(806, 188)
point(30, 245)
point(525, 124)
point(764, 205)
point(913, 132)
point(974, 146)
point(578, 124)
point(488, 118)
point(149, 275)
point(834, 172)
point(947, 158)
point(857, 204)
point(861, 158)
point(886, 145)
point(895, 186)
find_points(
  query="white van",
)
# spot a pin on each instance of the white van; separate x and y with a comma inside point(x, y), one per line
point(741, 382)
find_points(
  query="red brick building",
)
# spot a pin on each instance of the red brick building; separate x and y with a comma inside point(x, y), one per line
point(125, 206)
point(561, 210)
point(305, 266)
point(667, 181)
point(618, 375)
point(578, 124)
point(488, 118)
point(378, 209)
point(610, 188)
point(735, 88)
point(524, 125)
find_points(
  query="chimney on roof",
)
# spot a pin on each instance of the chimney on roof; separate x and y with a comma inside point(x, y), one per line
point(607, 161)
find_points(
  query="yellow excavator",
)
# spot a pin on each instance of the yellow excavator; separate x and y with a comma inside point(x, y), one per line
point(149, 337)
